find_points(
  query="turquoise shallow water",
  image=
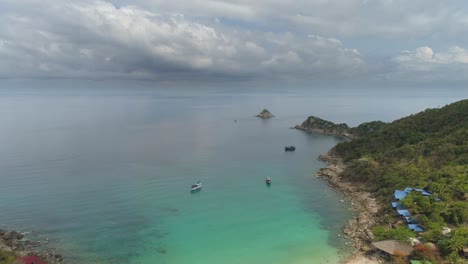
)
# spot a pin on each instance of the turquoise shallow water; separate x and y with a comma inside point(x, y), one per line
point(105, 174)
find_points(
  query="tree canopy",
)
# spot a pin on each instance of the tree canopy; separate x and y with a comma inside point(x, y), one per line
point(428, 150)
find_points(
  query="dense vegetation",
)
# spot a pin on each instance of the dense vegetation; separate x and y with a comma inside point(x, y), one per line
point(6, 257)
point(427, 150)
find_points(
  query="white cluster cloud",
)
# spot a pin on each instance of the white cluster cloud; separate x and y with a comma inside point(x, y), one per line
point(425, 59)
point(97, 39)
point(425, 64)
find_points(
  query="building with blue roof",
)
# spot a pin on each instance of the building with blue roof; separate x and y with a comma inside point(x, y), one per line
point(416, 227)
point(397, 205)
point(408, 189)
point(404, 213)
point(400, 195)
point(426, 193)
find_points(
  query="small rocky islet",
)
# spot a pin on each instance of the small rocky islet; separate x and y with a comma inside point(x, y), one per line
point(265, 114)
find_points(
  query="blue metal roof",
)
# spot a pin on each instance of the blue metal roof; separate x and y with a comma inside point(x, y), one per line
point(415, 227)
point(422, 191)
point(400, 195)
point(408, 189)
point(395, 204)
point(404, 213)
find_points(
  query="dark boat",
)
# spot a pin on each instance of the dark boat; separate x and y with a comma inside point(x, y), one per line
point(268, 180)
point(196, 186)
point(290, 148)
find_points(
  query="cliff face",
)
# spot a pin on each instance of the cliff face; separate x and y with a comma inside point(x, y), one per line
point(320, 126)
point(265, 114)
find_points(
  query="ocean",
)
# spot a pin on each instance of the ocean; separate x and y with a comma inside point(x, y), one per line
point(104, 174)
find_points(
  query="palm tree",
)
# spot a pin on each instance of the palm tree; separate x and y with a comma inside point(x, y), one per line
point(456, 244)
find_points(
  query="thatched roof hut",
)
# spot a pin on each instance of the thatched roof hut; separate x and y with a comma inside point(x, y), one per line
point(393, 247)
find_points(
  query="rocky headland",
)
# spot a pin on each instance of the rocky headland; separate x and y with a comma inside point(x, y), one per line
point(16, 246)
point(265, 114)
point(317, 125)
point(320, 126)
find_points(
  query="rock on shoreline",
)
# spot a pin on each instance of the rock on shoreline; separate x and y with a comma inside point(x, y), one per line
point(358, 228)
point(14, 242)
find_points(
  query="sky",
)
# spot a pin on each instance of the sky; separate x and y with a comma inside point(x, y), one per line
point(194, 42)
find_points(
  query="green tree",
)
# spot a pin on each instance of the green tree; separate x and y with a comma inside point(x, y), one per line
point(6, 257)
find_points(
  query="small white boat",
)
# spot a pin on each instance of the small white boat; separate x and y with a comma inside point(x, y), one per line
point(196, 186)
point(268, 180)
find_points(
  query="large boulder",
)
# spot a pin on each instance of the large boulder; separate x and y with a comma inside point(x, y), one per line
point(265, 114)
point(10, 235)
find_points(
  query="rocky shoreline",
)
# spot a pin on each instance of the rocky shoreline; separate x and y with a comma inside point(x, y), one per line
point(357, 230)
point(338, 134)
point(16, 243)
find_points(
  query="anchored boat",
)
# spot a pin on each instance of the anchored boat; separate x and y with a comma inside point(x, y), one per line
point(268, 180)
point(196, 186)
point(289, 148)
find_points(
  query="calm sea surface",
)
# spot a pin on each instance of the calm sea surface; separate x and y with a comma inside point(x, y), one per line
point(104, 174)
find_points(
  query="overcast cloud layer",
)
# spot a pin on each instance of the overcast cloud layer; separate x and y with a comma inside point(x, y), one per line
point(235, 41)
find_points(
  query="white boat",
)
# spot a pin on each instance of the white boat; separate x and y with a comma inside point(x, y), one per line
point(196, 186)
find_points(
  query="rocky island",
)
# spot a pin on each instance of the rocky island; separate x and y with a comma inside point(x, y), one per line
point(265, 114)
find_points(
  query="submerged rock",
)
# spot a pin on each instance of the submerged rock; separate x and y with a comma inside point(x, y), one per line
point(161, 250)
point(265, 114)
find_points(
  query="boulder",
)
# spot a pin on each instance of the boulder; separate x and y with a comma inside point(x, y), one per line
point(10, 235)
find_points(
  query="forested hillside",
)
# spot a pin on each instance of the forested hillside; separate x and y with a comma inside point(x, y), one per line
point(428, 150)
